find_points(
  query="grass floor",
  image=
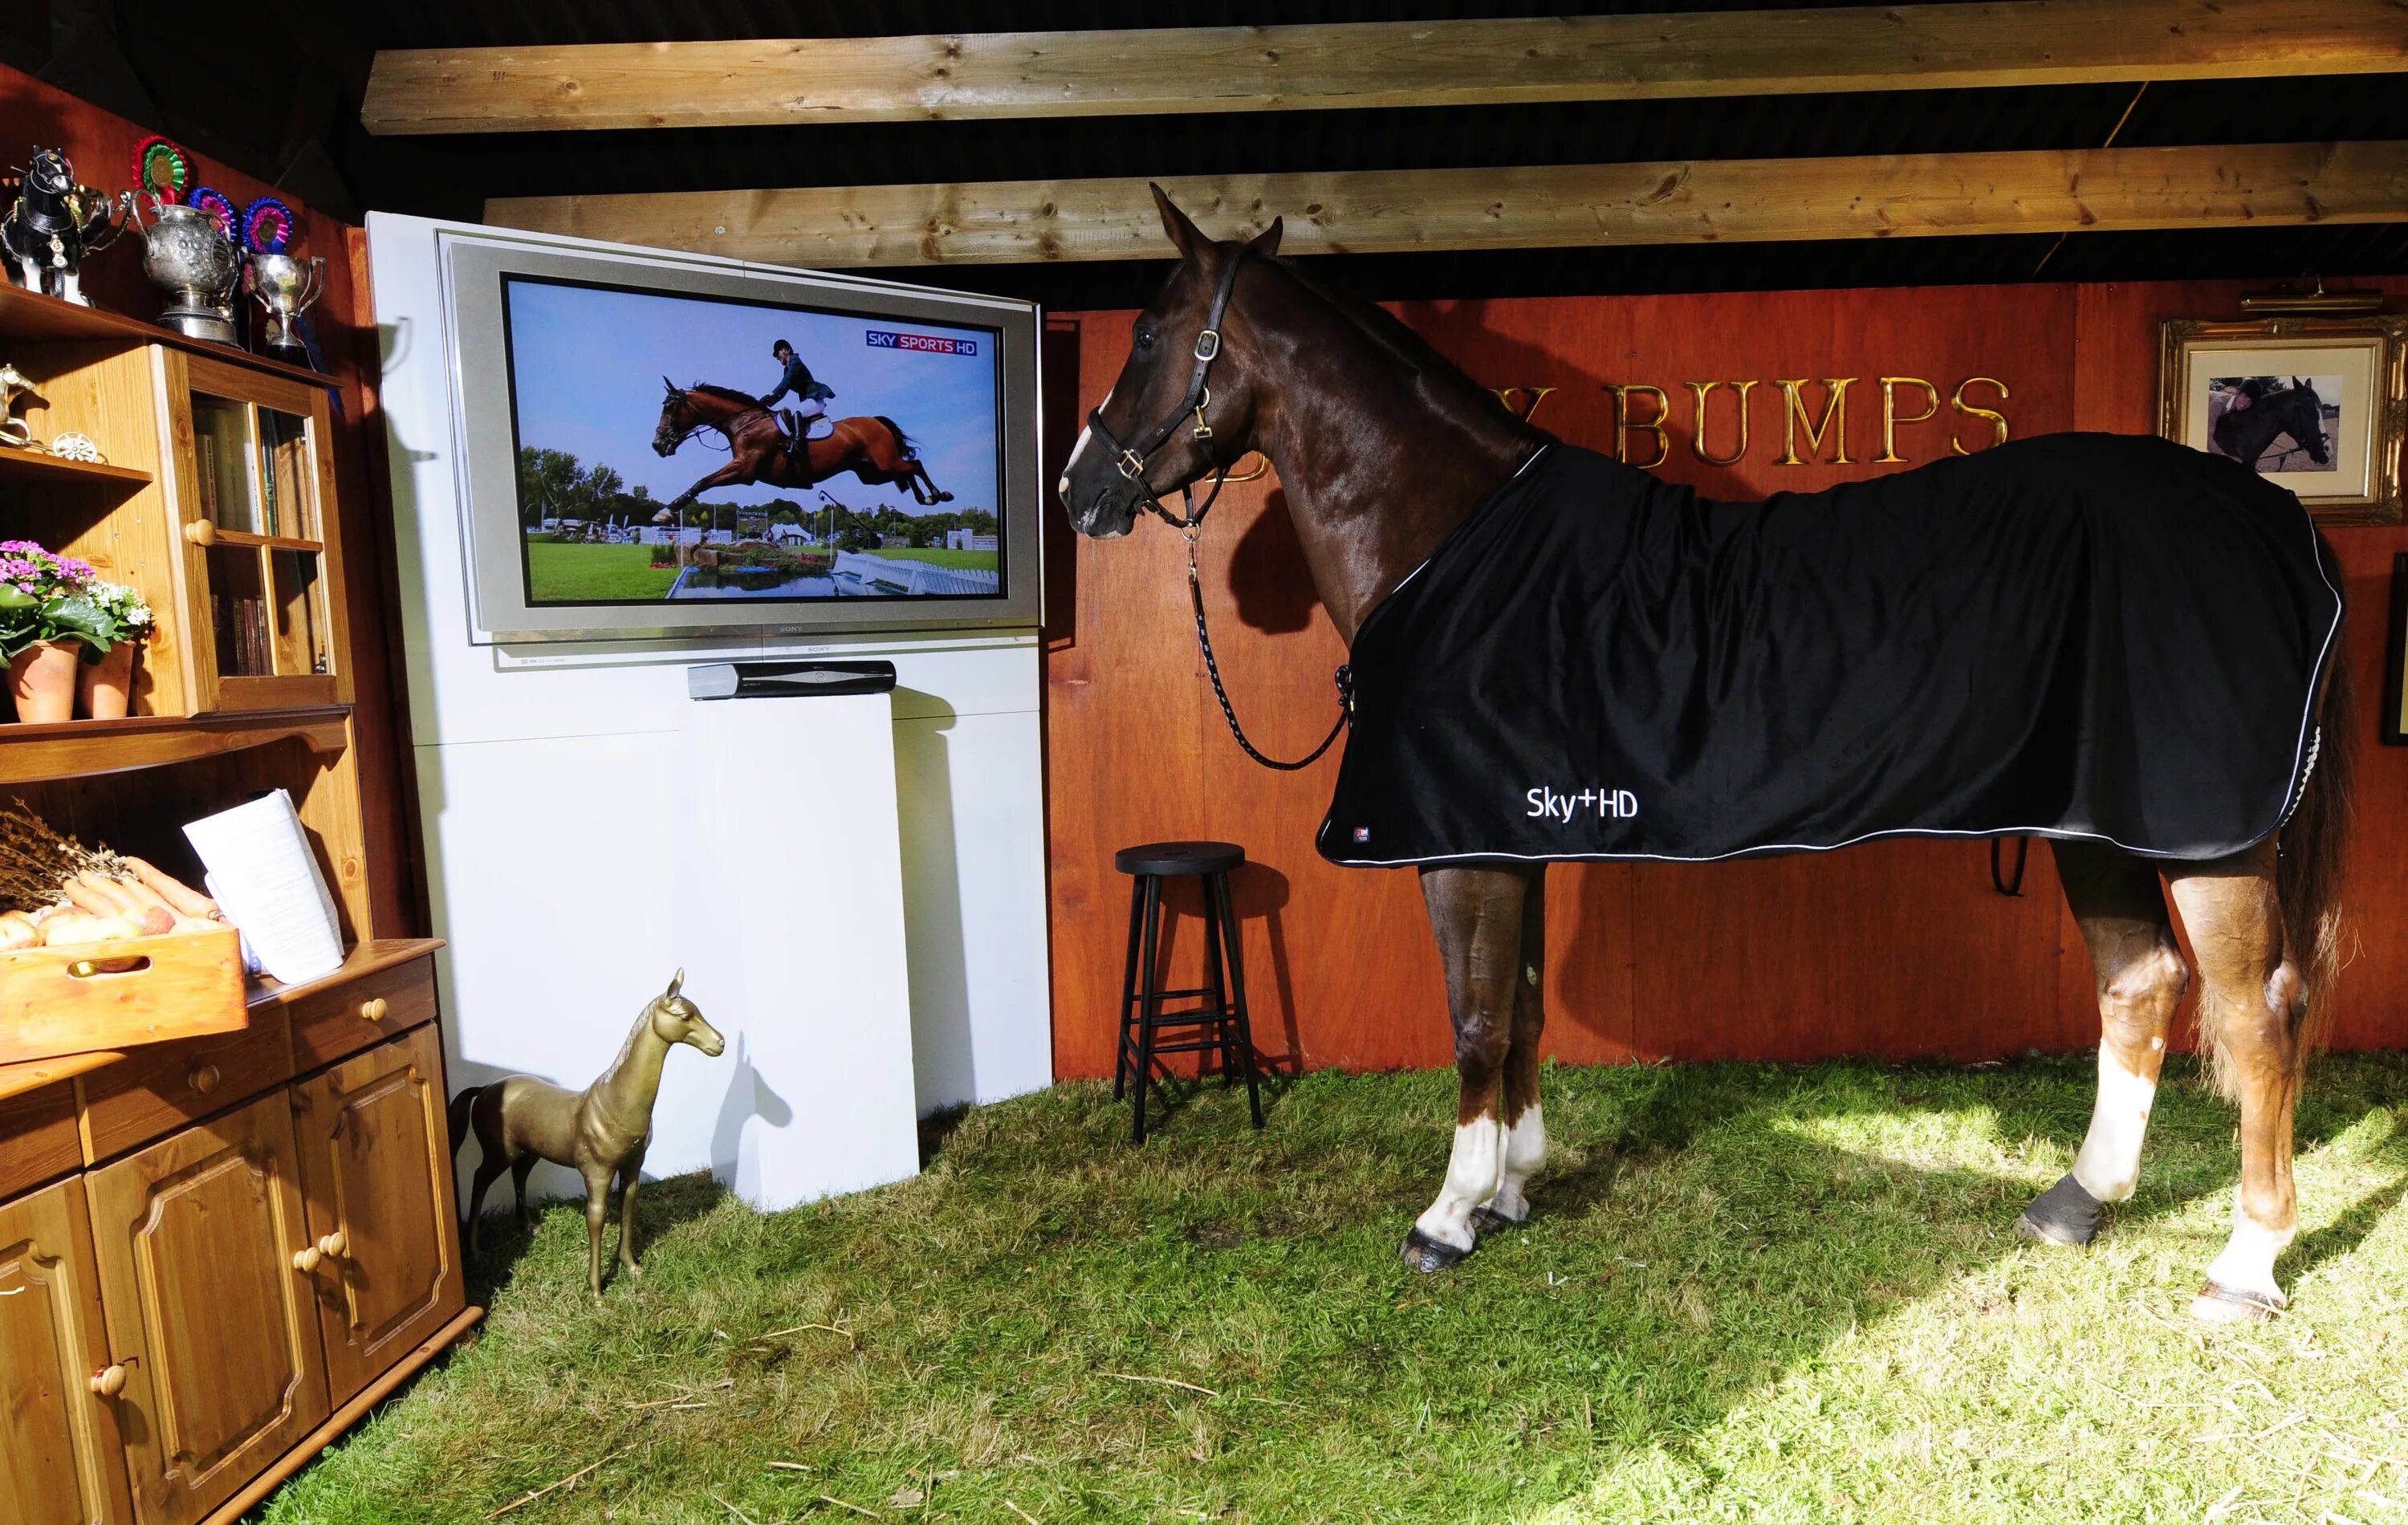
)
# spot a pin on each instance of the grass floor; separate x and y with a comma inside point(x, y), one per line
point(587, 573)
point(1751, 1293)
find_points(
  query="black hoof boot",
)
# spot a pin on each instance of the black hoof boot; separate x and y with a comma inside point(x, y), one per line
point(1430, 1256)
point(1487, 1220)
point(2065, 1214)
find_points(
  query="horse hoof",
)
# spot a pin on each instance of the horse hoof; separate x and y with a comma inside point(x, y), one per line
point(2218, 1304)
point(2065, 1214)
point(1430, 1256)
point(1487, 1220)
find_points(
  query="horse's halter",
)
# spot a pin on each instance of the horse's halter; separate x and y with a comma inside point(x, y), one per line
point(1131, 461)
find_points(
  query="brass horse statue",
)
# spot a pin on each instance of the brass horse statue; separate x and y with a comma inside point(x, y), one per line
point(599, 1132)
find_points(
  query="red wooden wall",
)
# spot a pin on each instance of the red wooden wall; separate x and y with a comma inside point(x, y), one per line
point(101, 146)
point(1898, 949)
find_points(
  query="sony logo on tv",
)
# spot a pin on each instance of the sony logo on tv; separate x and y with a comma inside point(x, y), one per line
point(888, 338)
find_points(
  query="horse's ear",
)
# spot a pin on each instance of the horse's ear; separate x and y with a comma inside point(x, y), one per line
point(675, 981)
point(1265, 243)
point(1184, 234)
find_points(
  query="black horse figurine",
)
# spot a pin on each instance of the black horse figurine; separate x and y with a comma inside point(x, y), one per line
point(55, 222)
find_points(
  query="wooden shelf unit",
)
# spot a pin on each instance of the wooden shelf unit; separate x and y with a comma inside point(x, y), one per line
point(239, 1242)
point(42, 466)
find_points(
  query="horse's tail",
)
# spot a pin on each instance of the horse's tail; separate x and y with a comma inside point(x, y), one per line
point(2308, 870)
point(903, 443)
point(462, 1105)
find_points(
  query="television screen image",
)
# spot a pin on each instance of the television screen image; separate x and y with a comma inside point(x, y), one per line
point(676, 449)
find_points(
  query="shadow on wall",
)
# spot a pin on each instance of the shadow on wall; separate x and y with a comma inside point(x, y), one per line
point(748, 1096)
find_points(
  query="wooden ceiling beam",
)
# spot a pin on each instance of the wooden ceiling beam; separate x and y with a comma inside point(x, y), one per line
point(1750, 200)
point(1380, 63)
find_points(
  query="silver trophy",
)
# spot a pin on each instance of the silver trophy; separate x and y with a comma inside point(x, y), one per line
point(187, 255)
point(285, 286)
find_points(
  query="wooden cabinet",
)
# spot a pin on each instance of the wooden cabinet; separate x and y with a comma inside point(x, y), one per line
point(252, 469)
point(375, 1171)
point(210, 1307)
point(59, 1458)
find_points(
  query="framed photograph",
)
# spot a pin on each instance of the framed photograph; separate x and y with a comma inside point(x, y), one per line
point(2317, 404)
point(2395, 659)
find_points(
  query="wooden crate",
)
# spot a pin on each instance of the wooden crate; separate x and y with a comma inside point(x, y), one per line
point(76, 999)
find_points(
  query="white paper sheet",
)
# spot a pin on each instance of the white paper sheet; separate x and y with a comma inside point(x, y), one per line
point(265, 877)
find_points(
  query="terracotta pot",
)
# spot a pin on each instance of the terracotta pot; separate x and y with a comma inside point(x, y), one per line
point(105, 689)
point(43, 677)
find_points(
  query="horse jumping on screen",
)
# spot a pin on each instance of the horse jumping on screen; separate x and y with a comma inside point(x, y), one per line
point(1469, 561)
point(599, 1132)
point(875, 449)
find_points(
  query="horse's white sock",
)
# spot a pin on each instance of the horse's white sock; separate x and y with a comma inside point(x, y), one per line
point(2247, 1263)
point(2109, 1165)
point(1526, 1145)
point(1472, 1172)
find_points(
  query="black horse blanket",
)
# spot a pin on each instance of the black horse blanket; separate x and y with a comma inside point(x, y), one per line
point(2087, 636)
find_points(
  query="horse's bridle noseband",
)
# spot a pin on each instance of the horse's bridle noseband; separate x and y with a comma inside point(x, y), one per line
point(1131, 460)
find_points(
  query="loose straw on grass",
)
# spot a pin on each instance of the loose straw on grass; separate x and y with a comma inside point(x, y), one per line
point(1021, 1513)
point(830, 1498)
point(564, 1482)
point(1159, 1381)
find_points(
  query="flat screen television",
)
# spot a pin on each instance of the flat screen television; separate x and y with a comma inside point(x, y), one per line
point(657, 446)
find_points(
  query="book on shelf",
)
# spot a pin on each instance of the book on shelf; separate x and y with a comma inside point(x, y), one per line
point(204, 452)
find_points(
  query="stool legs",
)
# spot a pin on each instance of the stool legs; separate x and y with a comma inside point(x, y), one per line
point(1128, 986)
point(1223, 1014)
point(1149, 1004)
point(1237, 1022)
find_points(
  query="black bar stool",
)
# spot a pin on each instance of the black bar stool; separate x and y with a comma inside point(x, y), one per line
point(1222, 1009)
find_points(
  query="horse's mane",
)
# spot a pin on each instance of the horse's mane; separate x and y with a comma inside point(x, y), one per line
point(726, 394)
point(1390, 332)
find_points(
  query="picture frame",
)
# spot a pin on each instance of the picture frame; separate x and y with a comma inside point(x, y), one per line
point(2395, 659)
point(2240, 389)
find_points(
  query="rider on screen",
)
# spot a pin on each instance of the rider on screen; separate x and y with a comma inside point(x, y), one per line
point(812, 396)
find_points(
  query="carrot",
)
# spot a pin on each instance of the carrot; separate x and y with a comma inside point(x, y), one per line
point(121, 900)
point(141, 894)
point(88, 900)
point(180, 896)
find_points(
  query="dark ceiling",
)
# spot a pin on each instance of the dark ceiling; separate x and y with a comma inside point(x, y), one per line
point(278, 95)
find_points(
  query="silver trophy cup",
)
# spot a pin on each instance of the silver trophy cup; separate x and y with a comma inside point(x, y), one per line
point(285, 286)
point(186, 256)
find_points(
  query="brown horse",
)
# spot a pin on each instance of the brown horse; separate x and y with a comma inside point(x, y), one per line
point(876, 450)
point(1382, 447)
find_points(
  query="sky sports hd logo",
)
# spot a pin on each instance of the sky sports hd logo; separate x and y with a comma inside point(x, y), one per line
point(887, 338)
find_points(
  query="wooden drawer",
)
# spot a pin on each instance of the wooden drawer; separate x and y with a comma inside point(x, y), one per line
point(153, 1091)
point(329, 1024)
point(38, 1137)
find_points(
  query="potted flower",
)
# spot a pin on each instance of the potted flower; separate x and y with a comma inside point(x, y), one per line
point(104, 682)
point(48, 620)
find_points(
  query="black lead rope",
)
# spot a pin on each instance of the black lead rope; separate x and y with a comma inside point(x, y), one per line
point(1345, 677)
point(1998, 880)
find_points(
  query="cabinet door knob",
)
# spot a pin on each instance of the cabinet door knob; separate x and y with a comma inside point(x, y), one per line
point(108, 1381)
point(335, 1245)
point(307, 1260)
point(202, 1079)
point(201, 532)
point(374, 1008)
